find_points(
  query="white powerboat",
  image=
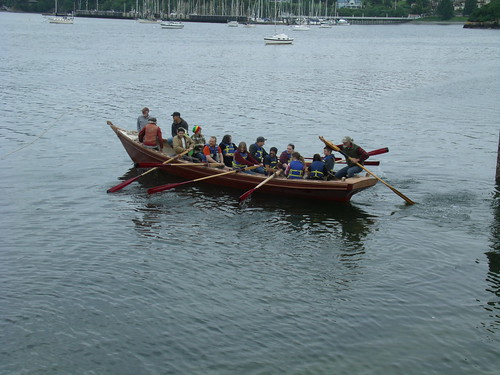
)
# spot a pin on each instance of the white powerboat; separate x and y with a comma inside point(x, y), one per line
point(233, 23)
point(61, 20)
point(278, 39)
point(172, 25)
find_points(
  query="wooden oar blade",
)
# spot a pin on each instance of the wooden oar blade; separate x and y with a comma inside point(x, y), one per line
point(246, 195)
point(378, 151)
point(123, 184)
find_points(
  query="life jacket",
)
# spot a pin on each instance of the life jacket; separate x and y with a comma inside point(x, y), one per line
point(150, 135)
point(259, 151)
point(229, 149)
point(328, 157)
point(296, 170)
point(317, 168)
point(273, 161)
point(214, 152)
point(237, 165)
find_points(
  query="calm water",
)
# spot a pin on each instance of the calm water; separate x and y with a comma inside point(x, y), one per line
point(188, 282)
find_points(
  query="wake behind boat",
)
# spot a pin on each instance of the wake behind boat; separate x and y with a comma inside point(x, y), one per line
point(335, 191)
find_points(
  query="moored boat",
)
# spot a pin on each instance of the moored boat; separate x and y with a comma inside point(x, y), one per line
point(61, 20)
point(335, 191)
point(278, 39)
point(172, 25)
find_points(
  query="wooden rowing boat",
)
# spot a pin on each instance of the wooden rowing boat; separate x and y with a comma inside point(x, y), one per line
point(335, 191)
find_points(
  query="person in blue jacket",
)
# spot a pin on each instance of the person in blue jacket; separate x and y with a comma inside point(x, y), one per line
point(296, 168)
point(329, 160)
point(257, 150)
point(317, 168)
point(271, 161)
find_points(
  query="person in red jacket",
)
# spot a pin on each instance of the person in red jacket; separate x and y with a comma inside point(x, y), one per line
point(150, 135)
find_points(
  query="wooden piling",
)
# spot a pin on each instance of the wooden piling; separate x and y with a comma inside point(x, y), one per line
point(498, 162)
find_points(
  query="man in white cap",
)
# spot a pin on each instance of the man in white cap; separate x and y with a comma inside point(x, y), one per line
point(355, 155)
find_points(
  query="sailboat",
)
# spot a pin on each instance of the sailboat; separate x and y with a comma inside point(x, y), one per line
point(327, 24)
point(60, 19)
point(277, 38)
point(302, 26)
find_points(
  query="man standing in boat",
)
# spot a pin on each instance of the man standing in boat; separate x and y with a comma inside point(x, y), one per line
point(150, 135)
point(257, 151)
point(178, 122)
point(142, 120)
point(355, 155)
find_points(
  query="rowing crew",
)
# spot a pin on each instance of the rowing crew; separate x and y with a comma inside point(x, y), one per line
point(239, 157)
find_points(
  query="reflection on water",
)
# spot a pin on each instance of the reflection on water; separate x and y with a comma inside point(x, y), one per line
point(493, 278)
point(216, 212)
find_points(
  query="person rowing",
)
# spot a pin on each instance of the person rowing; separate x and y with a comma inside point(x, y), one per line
point(212, 153)
point(243, 159)
point(355, 155)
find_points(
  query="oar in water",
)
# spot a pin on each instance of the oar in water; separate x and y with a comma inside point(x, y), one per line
point(129, 181)
point(161, 165)
point(334, 147)
point(249, 192)
point(158, 189)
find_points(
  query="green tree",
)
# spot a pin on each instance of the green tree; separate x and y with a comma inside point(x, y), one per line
point(488, 13)
point(445, 9)
point(469, 7)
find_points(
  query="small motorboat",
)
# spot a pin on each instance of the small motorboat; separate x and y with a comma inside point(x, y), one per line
point(61, 20)
point(172, 25)
point(278, 39)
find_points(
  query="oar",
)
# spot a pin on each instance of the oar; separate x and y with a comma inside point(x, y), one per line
point(129, 181)
point(378, 151)
point(249, 192)
point(334, 147)
point(161, 165)
point(158, 189)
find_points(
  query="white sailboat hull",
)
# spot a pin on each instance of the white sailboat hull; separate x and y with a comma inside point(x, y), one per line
point(278, 39)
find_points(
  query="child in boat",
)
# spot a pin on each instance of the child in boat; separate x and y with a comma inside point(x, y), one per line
point(243, 159)
point(271, 161)
point(317, 168)
point(296, 168)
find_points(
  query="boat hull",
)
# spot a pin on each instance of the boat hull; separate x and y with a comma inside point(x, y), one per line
point(335, 191)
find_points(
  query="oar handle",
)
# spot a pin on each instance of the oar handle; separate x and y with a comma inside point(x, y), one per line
point(161, 188)
point(334, 147)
